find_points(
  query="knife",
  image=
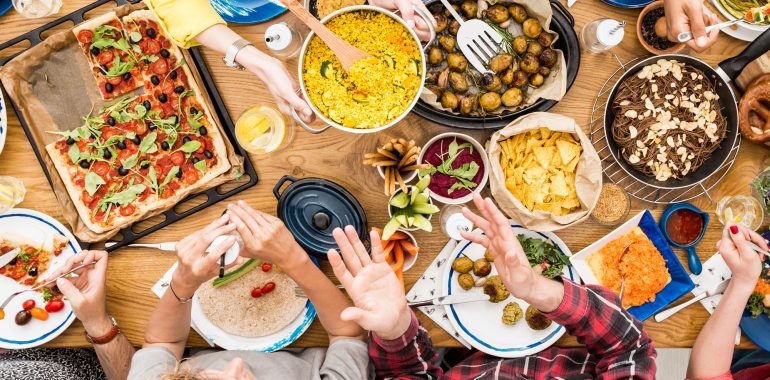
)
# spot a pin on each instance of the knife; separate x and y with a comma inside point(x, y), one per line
point(718, 289)
point(168, 246)
point(451, 299)
point(9, 256)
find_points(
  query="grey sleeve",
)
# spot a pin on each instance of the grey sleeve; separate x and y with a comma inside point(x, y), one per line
point(346, 358)
point(151, 363)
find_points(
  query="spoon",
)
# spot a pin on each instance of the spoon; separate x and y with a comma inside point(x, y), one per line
point(686, 36)
point(346, 53)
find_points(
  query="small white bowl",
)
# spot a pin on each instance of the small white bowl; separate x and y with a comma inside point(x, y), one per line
point(390, 211)
point(484, 160)
point(406, 179)
point(409, 260)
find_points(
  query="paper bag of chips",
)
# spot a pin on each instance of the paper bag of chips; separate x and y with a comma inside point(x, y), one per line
point(544, 174)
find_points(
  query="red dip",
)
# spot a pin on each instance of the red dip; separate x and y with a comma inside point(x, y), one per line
point(441, 184)
point(684, 226)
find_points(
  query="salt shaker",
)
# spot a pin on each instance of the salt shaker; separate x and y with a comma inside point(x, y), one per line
point(602, 34)
point(453, 222)
point(282, 40)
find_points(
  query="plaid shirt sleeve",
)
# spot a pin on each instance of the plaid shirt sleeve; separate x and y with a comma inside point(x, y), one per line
point(621, 345)
point(409, 357)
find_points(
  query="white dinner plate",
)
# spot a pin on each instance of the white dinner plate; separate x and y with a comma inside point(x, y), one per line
point(3, 122)
point(479, 323)
point(35, 226)
point(742, 30)
point(267, 343)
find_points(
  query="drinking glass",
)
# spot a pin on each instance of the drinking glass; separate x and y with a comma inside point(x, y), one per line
point(740, 209)
point(36, 8)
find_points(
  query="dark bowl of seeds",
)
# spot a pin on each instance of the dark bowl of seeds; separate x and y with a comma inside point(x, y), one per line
point(652, 37)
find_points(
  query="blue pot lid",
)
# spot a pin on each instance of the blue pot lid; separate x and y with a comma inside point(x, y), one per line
point(312, 208)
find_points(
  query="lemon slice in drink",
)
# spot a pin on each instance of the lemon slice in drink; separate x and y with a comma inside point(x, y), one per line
point(260, 130)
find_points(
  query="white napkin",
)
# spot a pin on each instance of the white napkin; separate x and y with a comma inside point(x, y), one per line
point(160, 288)
point(715, 270)
point(427, 288)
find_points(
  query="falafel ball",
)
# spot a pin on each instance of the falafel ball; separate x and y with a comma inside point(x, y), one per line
point(512, 313)
point(482, 267)
point(536, 320)
point(466, 281)
point(462, 264)
point(495, 289)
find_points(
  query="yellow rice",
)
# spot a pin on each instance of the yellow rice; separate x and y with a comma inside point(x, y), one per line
point(379, 89)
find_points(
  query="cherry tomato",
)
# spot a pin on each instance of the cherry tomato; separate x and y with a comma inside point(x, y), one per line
point(54, 305)
point(105, 57)
point(152, 47)
point(115, 80)
point(160, 66)
point(256, 292)
point(23, 317)
point(177, 158)
point(266, 267)
point(128, 210)
point(28, 304)
point(269, 287)
point(39, 313)
point(85, 36)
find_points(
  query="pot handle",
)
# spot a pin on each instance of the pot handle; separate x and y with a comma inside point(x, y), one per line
point(304, 125)
point(427, 17)
point(732, 67)
point(563, 11)
point(284, 179)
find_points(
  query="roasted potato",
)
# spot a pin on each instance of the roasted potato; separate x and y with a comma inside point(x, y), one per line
point(535, 48)
point(520, 44)
point(507, 76)
point(435, 56)
point(482, 267)
point(490, 101)
point(466, 281)
point(491, 82)
point(470, 9)
point(536, 320)
point(441, 22)
point(518, 13)
point(495, 289)
point(469, 104)
point(536, 80)
point(449, 100)
point(454, 26)
point(520, 79)
point(548, 57)
point(462, 264)
point(512, 313)
point(457, 62)
point(447, 42)
point(529, 64)
point(458, 82)
point(512, 97)
point(488, 256)
point(544, 71)
point(531, 27)
point(497, 13)
point(500, 62)
point(545, 38)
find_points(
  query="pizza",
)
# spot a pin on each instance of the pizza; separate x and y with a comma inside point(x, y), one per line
point(113, 62)
point(140, 153)
point(32, 260)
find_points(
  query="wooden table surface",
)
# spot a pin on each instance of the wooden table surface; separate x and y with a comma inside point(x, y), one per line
point(337, 156)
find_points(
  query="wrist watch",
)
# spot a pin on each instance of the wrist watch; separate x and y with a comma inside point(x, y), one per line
point(232, 52)
point(106, 338)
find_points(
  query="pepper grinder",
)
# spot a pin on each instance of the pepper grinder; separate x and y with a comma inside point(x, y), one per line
point(282, 40)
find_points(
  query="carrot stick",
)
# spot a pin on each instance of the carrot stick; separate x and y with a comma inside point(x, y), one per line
point(398, 265)
point(400, 277)
point(398, 235)
point(409, 248)
point(388, 252)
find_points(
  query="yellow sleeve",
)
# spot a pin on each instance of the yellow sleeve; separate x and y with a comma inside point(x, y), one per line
point(185, 19)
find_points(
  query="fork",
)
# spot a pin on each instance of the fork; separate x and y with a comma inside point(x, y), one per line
point(478, 41)
point(36, 288)
point(299, 293)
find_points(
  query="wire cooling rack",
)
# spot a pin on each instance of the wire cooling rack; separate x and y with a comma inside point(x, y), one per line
point(617, 175)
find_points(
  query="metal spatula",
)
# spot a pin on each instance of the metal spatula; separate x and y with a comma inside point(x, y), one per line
point(478, 41)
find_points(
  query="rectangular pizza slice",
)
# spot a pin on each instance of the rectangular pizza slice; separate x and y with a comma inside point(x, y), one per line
point(158, 53)
point(113, 63)
point(33, 258)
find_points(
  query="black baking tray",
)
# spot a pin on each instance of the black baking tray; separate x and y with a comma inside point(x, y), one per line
point(563, 24)
point(171, 216)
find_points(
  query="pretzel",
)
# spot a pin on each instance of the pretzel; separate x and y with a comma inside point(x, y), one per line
point(754, 113)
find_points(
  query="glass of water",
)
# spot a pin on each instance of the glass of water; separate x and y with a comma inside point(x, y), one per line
point(37, 8)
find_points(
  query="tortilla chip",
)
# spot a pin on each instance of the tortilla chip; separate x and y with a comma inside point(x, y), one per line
point(559, 185)
point(544, 155)
point(567, 150)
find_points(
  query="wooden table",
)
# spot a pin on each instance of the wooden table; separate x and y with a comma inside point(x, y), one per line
point(337, 156)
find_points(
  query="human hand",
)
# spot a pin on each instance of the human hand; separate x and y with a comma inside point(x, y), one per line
point(380, 305)
point(265, 237)
point(406, 7)
point(690, 15)
point(279, 82)
point(744, 262)
point(86, 292)
point(511, 262)
point(195, 265)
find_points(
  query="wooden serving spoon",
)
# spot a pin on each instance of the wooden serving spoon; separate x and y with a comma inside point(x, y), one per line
point(346, 53)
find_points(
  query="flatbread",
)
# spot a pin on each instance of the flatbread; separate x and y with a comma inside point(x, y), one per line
point(231, 307)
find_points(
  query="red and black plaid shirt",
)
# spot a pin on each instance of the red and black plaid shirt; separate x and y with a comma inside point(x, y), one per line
point(617, 347)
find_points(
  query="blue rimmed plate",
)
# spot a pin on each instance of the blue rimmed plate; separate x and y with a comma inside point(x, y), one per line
point(5, 6)
point(479, 323)
point(33, 226)
point(680, 283)
point(3, 113)
point(267, 343)
point(247, 11)
point(757, 329)
point(629, 4)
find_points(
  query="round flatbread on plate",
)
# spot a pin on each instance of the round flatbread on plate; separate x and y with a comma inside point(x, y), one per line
point(480, 323)
point(230, 318)
point(29, 225)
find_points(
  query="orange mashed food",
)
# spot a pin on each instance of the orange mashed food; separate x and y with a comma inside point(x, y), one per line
point(643, 268)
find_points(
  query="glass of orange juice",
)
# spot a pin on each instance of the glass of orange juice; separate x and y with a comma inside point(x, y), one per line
point(263, 130)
